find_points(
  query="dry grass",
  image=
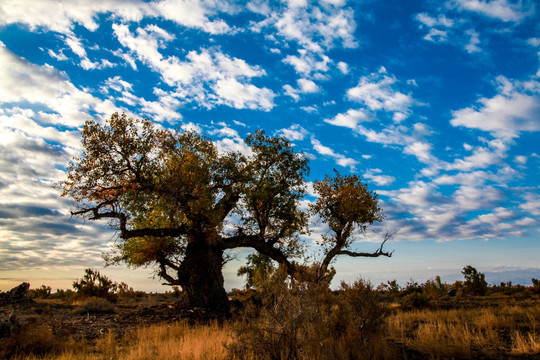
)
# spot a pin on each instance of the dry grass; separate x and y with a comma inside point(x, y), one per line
point(165, 341)
point(467, 333)
point(490, 332)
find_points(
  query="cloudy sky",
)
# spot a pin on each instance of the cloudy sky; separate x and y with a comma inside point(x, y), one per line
point(436, 104)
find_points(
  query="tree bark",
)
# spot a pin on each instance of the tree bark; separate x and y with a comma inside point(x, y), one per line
point(200, 276)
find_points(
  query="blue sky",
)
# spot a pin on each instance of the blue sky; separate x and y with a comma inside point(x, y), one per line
point(436, 104)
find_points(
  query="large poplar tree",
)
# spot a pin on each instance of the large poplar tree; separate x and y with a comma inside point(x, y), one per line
point(178, 203)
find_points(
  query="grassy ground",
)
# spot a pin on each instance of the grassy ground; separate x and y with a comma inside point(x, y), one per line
point(468, 328)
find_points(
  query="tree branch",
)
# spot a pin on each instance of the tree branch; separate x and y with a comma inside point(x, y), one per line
point(266, 248)
point(125, 233)
point(337, 250)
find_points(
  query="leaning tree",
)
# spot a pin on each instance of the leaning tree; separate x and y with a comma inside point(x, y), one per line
point(178, 203)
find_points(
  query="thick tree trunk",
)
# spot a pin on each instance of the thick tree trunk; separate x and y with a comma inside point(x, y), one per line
point(201, 278)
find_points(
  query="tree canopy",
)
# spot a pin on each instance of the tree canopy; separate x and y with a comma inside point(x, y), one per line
point(178, 203)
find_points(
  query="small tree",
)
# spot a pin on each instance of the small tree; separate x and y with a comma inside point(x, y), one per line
point(95, 284)
point(536, 286)
point(475, 282)
point(257, 265)
point(347, 206)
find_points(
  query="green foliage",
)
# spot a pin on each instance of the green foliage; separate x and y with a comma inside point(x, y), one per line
point(93, 284)
point(475, 282)
point(257, 265)
point(171, 194)
point(346, 205)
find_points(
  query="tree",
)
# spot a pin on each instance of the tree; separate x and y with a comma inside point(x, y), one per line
point(346, 205)
point(178, 203)
point(171, 195)
point(95, 284)
point(257, 265)
point(475, 282)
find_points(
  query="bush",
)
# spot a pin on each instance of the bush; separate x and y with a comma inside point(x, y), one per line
point(475, 282)
point(93, 284)
point(536, 286)
point(95, 305)
point(301, 318)
point(43, 292)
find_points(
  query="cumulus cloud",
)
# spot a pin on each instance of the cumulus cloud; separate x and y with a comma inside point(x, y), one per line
point(503, 10)
point(340, 159)
point(512, 111)
point(294, 133)
point(481, 157)
point(208, 77)
point(314, 29)
point(62, 17)
point(305, 86)
point(44, 85)
point(375, 176)
point(376, 92)
point(454, 215)
point(349, 119)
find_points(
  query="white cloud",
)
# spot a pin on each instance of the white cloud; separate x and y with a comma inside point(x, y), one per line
point(192, 14)
point(343, 67)
point(375, 176)
point(161, 110)
point(436, 36)
point(305, 86)
point(308, 86)
point(349, 119)
point(62, 16)
point(315, 29)
point(308, 62)
point(513, 110)
point(474, 41)
point(421, 150)
point(26, 82)
point(375, 91)
point(482, 157)
point(438, 26)
point(208, 77)
point(235, 94)
point(503, 10)
point(340, 159)
point(531, 204)
point(293, 133)
point(430, 21)
point(520, 159)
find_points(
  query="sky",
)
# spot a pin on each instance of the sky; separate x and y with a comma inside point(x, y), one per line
point(435, 104)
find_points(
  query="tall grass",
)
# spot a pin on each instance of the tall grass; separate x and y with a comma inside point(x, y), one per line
point(467, 333)
point(495, 332)
point(164, 341)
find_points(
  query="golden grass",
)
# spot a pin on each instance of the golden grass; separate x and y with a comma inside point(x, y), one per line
point(164, 341)
point(462, 333)
point(495, 332)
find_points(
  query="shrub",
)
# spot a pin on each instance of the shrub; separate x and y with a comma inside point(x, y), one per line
point(95, 305)
point(93, 284)
point(43, 292)
point(536, 286)
point(301, 318)
point(475, 282)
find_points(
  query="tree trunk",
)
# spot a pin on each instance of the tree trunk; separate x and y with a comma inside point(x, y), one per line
point(201, 278)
